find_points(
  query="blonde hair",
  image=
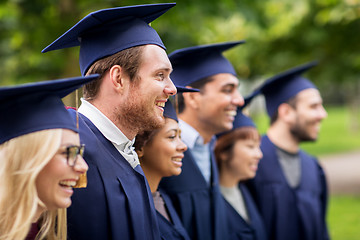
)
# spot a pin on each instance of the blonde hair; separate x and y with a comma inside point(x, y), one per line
point(22, 159)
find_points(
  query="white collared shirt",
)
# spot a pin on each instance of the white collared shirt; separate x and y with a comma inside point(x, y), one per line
point(110, 132)
point(199, 150)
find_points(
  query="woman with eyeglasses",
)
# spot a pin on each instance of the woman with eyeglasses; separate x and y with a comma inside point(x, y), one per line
point(160, 153)
point(41, 159)
point(237, 155)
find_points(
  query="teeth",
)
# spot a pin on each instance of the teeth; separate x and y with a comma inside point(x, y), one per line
point(68, 183)
point(160, 104)
point(177, 159)
point(231, 113)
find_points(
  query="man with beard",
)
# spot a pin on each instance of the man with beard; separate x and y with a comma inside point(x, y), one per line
point(127, 98)
point(195, 192)
point(290, 186)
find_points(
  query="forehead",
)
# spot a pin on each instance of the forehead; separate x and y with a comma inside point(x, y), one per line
point(70, 137)
point(170, 124)
point(155, 57)
point(308, 95)
point(222, 80)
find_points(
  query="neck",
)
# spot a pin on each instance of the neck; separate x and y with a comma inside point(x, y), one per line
point(108, 111)
point(198, 126)
point(38, 213)
point(282, 138)
point(226, 179)
point(152, 178)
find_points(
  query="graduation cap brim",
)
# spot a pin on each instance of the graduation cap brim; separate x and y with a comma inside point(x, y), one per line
point(181, 89)
point(37, 106)
point(71, 38)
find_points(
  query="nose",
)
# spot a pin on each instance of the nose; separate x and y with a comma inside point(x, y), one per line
point(181, 146)
point(238, 99)
point(259, 153)
point(81, 166)
point(322, 113)
point(170, 88)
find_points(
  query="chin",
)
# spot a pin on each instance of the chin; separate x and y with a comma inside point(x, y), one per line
point(177, 172)
point(65, 204)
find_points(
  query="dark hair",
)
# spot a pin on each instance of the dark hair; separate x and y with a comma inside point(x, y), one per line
point(292, 102)
point(144, 138)
point(197, 84)
point(226, 142)
point(129, 59)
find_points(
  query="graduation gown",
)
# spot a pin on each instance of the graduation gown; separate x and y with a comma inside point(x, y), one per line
point(168, 230)
point(238, 227)
point(201, 207)
point(290, 213)
point(117, 202)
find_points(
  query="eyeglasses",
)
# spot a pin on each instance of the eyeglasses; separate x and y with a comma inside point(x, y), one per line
point(72, 153)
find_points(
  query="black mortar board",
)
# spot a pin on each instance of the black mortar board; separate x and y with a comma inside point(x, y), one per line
point(108, 31)
point(284, 86)
point(37, 106)
point(195, 63)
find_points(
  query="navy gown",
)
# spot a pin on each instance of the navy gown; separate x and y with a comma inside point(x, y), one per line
point(290, 213)
point(239, 229)
point(117, 203)
point(200, 207)
point(171, 230)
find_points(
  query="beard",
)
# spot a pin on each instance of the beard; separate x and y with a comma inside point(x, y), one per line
point(138, 113)
point(298, 131)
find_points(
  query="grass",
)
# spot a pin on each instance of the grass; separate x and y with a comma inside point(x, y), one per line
point(344, 217)
point(340, 132)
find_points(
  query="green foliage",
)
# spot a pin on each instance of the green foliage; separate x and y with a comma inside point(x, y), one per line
point(340, 131)
point(344, 217)
point(280, 34)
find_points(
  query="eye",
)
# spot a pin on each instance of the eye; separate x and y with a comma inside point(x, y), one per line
point(227, 90)
point(172, 137)
point(161, 76)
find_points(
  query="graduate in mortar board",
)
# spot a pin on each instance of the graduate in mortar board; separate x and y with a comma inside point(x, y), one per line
point(128, 98)
point(41, 159)
point(237, 155)
point(195, 192)
point(161, 152)
point(290, 185)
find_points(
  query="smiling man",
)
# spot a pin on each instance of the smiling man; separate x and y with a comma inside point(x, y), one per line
point(195, 192)
point(290, 186)
point(127, 98)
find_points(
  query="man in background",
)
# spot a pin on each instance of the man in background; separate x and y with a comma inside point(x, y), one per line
point(290, 185)
point(195, 192)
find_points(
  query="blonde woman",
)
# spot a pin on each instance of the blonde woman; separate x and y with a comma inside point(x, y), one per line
point(40, 159)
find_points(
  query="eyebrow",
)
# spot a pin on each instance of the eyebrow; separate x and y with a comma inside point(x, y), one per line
point(165, 69)
point(230, 85)
point(172, 129)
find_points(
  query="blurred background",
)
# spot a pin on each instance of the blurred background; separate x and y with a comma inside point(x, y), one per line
point(279, 34)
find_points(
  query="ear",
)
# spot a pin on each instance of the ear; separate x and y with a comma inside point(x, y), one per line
point(140, 152)
point(191, 99)
point(117, 77)
point(286, 112)
point(223, 157)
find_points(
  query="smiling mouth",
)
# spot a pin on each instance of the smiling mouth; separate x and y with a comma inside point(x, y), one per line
point(177, 159)
point(231, 113)
point(160, 104)
point(67, 183)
